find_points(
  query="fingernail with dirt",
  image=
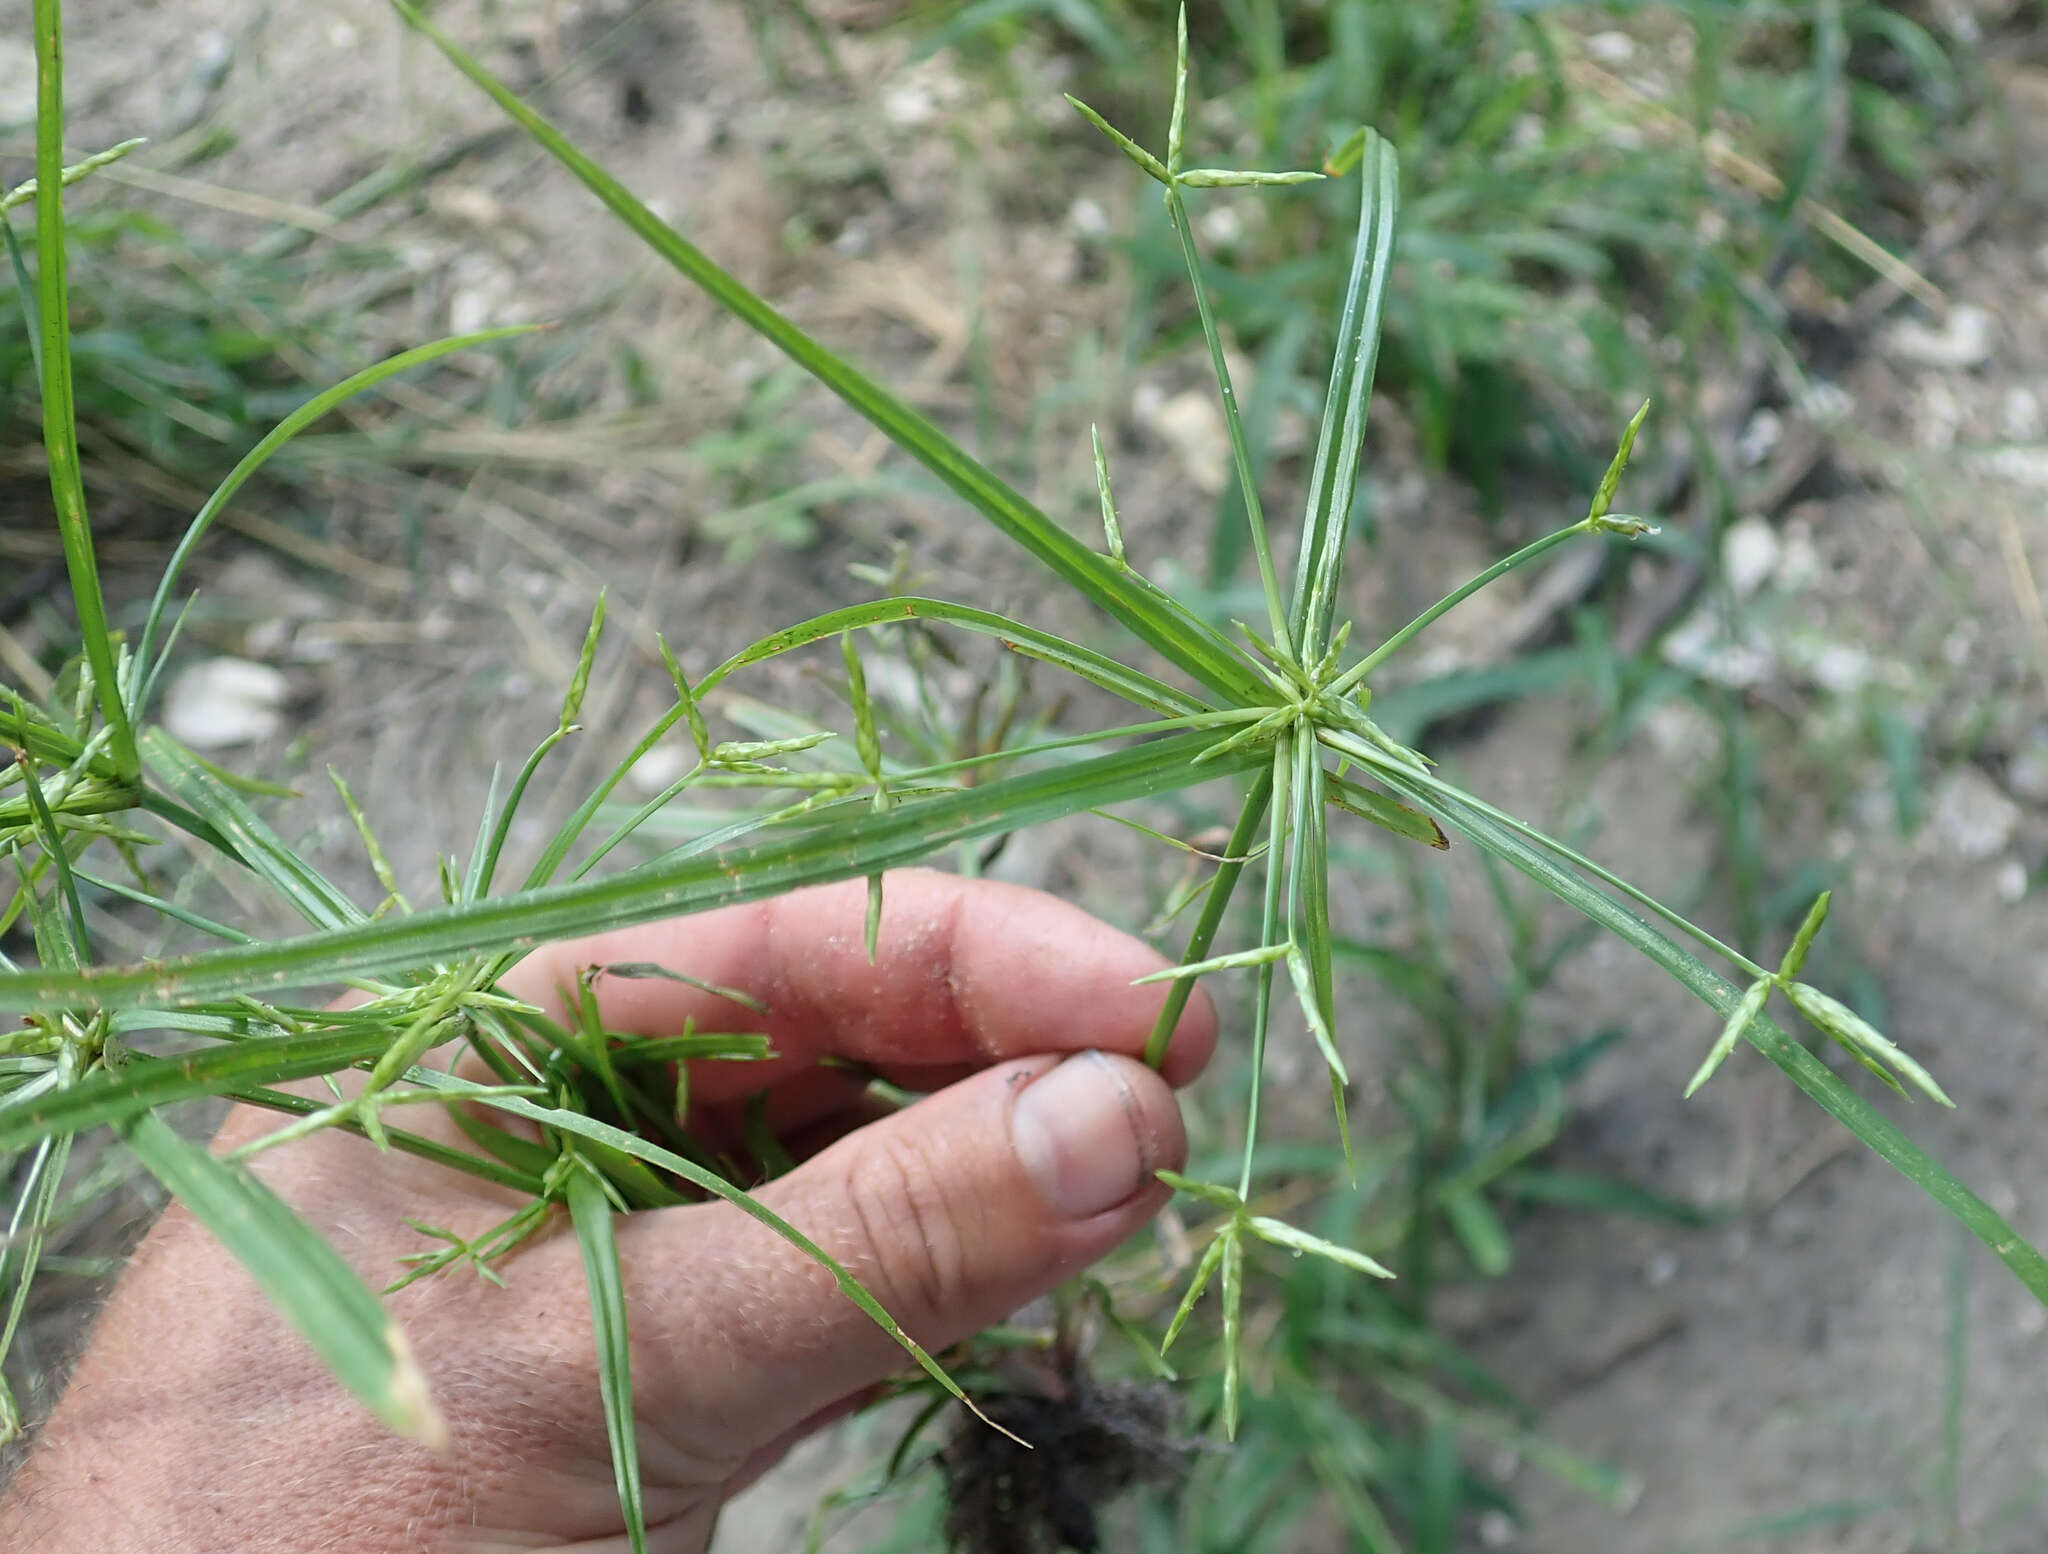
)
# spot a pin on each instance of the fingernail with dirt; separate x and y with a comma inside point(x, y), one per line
point(1082, 1137)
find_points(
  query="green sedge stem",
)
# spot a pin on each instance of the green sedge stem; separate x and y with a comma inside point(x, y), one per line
point(60, 430)
point(1255, 516)
point(1204, 935)
point(1451, 601)
point(1262, 1011)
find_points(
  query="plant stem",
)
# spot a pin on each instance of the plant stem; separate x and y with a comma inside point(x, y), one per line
point(1262, 1013)
point(60, 432)
point(1276, 610)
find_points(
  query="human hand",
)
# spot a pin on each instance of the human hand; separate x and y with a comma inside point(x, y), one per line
point(198, 1421)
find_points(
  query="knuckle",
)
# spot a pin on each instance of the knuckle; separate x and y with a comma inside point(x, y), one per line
point(913, 1247)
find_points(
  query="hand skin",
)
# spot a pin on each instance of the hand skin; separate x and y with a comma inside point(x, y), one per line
point(197, 1421)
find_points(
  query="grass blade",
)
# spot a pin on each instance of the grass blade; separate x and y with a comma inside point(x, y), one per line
point(187, 777)
point(1236, 855)
point(591, 1213)
point(1118, 679)
point(60, 428)
point(710, 1182)
point(860, 844)
point(144, 674)
point(1883, 1136)
point(115, 1095)
point(1162, 624)
point(304, 1277)
point(1326, 527)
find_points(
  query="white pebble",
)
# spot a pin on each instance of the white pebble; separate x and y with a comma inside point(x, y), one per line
point(1964, 339)
point(1749, 555)
point(225, 701)
point(1972, 816)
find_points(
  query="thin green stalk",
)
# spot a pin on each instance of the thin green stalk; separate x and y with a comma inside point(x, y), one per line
point(1236, 851)
point(1271, 917)
point(60, 429)
point(1451, 601)
point(1248, 485)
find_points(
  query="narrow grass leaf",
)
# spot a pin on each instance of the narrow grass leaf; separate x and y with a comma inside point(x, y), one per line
point(25, 191)
point(1118, 679)
point(1795, 957)
point(60, 428)
point(1162, 624)
point(1144, 160)
point(1388, 814)
point(1333, 478)
point(1235, 178)
point(1753, 1000)
point(22, 1251)
point(1884, 1137)
point(312, 410)
point(113, 1096)
point(1112, 531)
point(710, 1182)
point(1264, 955)
point(1280, 1233)
point(591, 1213)
point(1233, 1327)
point(72, 942)
point(1857, 1034)
point(304, 1277)
point(845, 848)
point(1603, 495)
point(314, 897)
point(1212, 1259)
point(1215, 903)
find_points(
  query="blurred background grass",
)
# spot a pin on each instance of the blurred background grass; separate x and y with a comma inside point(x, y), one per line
point(1733, 207)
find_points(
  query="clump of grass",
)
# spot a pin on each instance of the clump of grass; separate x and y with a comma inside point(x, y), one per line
point(1279, 706)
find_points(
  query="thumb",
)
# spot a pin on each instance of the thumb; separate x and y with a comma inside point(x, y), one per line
point(952, 1213)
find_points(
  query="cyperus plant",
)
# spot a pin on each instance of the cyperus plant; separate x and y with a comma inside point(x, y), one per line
point(1278, 703)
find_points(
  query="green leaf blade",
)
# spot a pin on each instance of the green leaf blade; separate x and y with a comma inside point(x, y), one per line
point(304, 1277)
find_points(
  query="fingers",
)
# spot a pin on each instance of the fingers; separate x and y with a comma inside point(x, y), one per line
point(953, 1213)
point(967, 972)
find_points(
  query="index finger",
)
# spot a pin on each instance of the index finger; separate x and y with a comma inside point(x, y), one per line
point(966, 973)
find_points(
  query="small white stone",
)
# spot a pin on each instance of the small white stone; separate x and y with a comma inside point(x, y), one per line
point(1827, 403)
point(658, 768)
point(1760, 438)
point(1972, 816)
point(220, 702)
point(1700, 645)
point(1841, 668)
point(1087, 220)
point(1221, 226)
point(2026, 774)
point(1964, 339)
point(1496, 1529)
point(1749, 555)
point(1661, 1270)
point(341, 35)
point(2033, 1319)
point(2011, 881)
point(1611, 48)
point(1798, 559)
point(1191, 425)
point(2019, 414)
point(909, 104)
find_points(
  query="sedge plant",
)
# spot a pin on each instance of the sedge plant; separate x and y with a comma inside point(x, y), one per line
point(1281, 707)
